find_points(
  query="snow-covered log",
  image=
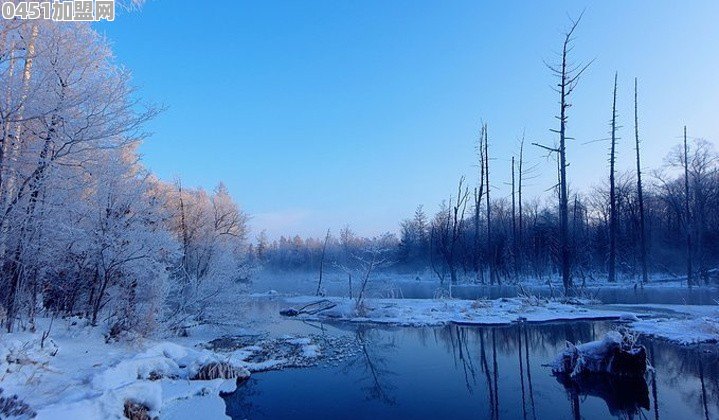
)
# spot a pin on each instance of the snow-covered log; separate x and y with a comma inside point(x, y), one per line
point(310, 309)
point(616, 354)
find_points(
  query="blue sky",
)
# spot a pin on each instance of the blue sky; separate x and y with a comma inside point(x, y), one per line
point(318, 114)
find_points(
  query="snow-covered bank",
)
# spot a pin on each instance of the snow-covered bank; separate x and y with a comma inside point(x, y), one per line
point(682, 324)
point(682, 331)
point(76, 374)
point(427, 312)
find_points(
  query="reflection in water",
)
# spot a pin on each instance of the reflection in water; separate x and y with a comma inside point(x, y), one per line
point(375, 366)
point(481, 372)
point(626, 397)
point(653, 373)
point(529, 375)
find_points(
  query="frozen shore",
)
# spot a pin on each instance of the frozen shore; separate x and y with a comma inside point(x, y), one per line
point(76, 373)
point(682, 324)
point(430, 312)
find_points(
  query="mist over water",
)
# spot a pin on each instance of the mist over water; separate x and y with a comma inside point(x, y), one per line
point(412, 287)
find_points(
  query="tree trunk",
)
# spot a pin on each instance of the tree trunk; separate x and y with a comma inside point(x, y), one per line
point(490, 251)
point(322, 263)
point(514, 224)
point(612, 192)
point(640, 193)
point(687, 215)
point(520, 226)
point(478, 193)
point(563, 203)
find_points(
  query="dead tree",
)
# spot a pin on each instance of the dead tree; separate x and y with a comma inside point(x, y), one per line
point(613, 217)
point(520, 208)
point(520, 174)
point(490, 251)
point(457, 224)
point(640, 192)
point(514, 205)
point(451, 223)
point(368, 263)
point(515, 249)
point(322, 262)
point(687, 214)
point(347, 271)
point(478, 193)
point(568, 75)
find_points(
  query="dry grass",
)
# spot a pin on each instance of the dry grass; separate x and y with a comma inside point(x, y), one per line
point(136, 411)
point(219, 370)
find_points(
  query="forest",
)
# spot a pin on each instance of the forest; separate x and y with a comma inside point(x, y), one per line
point(86, 228)
point(519, 243)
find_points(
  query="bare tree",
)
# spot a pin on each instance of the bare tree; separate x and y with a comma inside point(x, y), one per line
point(520, 175)
point(490, 251)
point(613, 217)
point(640, 191)
point(322, 264)
point(478, 193)
point(450, 226)
point(372, 259)
point(568, 75)
point(514, 208)
point(687, 214)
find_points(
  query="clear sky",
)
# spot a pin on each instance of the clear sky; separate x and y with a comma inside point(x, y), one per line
point(318, 114)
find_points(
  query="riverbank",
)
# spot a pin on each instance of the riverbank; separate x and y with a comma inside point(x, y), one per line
point(69, 369)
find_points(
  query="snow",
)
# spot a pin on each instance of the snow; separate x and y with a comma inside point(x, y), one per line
point(587, 357)
point(682, 331)
point(681, 324)
point(77, 374)
point(427, 312)
point(307, 349)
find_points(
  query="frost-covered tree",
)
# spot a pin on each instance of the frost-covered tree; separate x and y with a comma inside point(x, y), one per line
point(84, 228)
point(212, 232)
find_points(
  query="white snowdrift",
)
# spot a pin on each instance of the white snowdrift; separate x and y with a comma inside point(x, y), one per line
point(78, 376)
point(682, 324)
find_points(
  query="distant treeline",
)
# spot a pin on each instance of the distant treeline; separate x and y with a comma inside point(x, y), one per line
point(522, 240)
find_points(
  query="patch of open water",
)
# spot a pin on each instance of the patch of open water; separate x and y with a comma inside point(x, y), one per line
point(478, 372)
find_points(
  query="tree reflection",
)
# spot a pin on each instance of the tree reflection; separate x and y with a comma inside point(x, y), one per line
point(375, 365)
point(460, 351)
point(625, 397)
point(490, 385)
point(693, 372)
point(654, 382)
point(529, 375)
point(686, 376)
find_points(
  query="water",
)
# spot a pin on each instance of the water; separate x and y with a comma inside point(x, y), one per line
point(411, 289)
point(478, 372)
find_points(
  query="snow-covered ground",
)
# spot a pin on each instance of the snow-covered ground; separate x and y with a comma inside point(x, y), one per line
point(77, 374)
point(424, 312)
point(683, 324)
